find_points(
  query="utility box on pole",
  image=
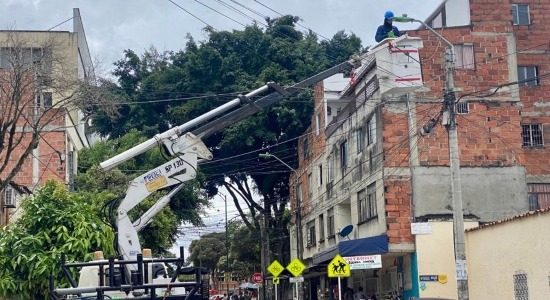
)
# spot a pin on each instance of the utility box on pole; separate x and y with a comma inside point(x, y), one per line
point(398, 65)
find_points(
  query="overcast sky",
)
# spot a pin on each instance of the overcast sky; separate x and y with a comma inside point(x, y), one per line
point(114, 25)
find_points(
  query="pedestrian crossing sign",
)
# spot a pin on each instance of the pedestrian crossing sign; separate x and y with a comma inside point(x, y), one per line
point(338, 267)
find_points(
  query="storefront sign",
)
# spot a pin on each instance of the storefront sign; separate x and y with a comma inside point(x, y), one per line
point(364, 262)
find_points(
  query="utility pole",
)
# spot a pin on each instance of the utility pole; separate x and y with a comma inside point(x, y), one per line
point(226, 249)
point(449, 121)
point(449, 103)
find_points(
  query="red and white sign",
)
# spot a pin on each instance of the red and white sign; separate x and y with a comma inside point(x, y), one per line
point(257, 278)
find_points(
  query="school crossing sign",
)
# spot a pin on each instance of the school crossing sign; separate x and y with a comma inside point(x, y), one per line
point(338, 267)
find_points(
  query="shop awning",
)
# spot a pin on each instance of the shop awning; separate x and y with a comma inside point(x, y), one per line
point(365, 246)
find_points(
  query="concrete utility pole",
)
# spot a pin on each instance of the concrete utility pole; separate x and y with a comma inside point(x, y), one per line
point(449, 121)
point(449, 103)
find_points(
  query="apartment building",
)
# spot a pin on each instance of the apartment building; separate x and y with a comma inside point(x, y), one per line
point(60, 54)
point(364, 162)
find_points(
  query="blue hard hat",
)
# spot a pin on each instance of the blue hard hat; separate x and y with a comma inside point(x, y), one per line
point(388, 14)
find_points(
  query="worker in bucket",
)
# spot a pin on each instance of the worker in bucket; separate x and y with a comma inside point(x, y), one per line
point(387, 30)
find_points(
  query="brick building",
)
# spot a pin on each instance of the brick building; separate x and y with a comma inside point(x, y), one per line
point(55, 155)
point(363, 162)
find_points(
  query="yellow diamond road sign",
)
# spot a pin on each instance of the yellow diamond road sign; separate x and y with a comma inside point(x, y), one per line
point(338, 267)
point(296, 267)
point(275, 268)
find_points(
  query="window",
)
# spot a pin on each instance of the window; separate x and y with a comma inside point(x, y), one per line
point(462, 108)
point(9, 198)
point(532, 135)
point(366, 202)
point(44, 99)
point(319, 175)
point(311, 241)
point(464, 56)
point(318, 124)
point(520, 14)
point(331, 167)
point(527, 76)
point(305, 147)
point(521, 291)
point(321, 228)
point(298, 195)
point(330, 222)
point(329, 111)
point(309, 185)
point(38, 59)
point(538, 195)
point(344, 155)
point(371, 130)
point(360, 134)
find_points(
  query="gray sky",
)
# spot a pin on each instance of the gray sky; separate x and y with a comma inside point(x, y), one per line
point(114, 25)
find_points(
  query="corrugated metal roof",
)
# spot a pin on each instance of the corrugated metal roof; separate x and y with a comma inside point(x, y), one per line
point(522, 216)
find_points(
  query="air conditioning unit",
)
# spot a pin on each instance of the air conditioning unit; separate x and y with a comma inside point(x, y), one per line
point(9, 198)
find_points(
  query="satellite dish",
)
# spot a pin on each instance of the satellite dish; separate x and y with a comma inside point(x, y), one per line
point(346, 231)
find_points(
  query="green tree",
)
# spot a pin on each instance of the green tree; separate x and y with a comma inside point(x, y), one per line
point(53, 222)
point(171, 88)
point(207, 252)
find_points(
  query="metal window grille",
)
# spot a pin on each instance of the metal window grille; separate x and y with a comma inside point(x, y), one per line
point(532, 135)
point(462, 108)
point(520, 14)
point(521, 290)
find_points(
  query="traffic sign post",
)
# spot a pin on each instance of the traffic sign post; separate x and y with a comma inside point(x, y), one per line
point(296, 267)
point(276, 284)
point(338, 267)
point(257, 278)
point(275, 268)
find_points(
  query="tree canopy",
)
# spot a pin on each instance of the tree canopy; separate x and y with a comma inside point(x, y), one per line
point(165, 89)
